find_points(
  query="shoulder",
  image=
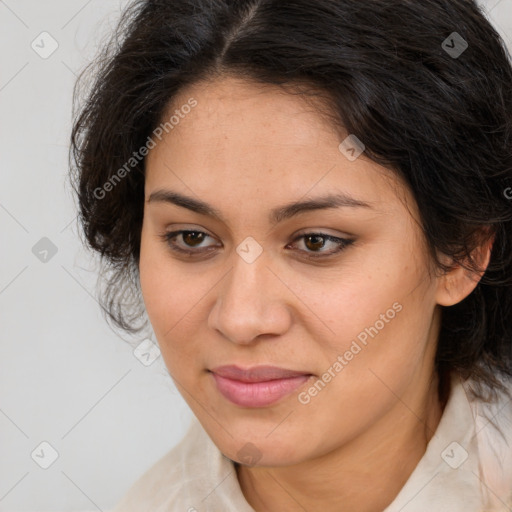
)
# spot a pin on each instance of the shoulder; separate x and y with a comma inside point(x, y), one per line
point(493, 417)
point(165, 481)
point(493, 432)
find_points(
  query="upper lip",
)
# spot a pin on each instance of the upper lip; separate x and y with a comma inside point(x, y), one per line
point(256, 373)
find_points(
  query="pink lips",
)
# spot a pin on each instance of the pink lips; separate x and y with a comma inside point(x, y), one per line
point(258, 386)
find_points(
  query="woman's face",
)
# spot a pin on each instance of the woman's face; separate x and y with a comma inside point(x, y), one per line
point(350, 322)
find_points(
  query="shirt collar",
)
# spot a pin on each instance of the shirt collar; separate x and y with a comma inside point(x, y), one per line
point(448, 470)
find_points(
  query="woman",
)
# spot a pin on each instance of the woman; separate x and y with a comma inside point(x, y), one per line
point(309, 200)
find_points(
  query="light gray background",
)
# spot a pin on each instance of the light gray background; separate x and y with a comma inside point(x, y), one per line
point(65, 377)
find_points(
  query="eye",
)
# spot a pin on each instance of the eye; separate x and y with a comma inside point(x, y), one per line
point(190, 239)
point(316, 241)
point(313, 242)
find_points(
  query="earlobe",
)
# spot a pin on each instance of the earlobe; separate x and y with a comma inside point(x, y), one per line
point(458, 282)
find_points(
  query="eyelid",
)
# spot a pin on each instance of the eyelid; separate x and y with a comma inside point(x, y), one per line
point(305, 231)
point(342, 243)
point(322, 231)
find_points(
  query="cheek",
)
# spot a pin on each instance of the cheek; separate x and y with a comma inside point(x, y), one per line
point(174, 297)
point(149, 270)
point(168, 300)
point(379, 318)
point(161, 286)
point(169, 311)
point(353, 302)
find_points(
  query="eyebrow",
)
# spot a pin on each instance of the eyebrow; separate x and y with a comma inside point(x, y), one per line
point(286, 211)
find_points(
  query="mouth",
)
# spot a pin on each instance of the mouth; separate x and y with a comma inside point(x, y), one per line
point(259, 386)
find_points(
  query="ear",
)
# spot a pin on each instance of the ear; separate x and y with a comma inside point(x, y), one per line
point(457, 283)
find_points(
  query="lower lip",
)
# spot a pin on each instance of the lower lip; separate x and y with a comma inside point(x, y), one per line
point(257, 394)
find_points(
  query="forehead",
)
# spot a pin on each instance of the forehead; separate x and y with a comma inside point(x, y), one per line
point(261, 139)
point(293, 115)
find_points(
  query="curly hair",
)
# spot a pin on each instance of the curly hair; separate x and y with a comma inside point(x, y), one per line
point(426, 85)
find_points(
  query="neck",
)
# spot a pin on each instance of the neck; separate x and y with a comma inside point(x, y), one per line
point(384, 456)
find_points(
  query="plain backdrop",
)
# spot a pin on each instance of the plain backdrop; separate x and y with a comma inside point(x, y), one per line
point(81, 416)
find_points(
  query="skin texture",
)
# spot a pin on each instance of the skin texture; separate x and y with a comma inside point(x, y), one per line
point(246, 149)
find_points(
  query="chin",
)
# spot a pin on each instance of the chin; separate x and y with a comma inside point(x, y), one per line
point(258, 449)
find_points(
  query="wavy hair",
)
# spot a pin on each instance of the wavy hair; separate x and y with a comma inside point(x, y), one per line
point(426, 85)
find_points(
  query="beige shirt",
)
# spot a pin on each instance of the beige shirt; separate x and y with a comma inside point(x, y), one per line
point(467, 467)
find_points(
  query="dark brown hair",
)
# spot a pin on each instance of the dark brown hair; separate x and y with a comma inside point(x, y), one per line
point(426, 85)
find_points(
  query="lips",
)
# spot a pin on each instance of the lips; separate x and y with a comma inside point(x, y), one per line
point(256, 374)
point(258, 386)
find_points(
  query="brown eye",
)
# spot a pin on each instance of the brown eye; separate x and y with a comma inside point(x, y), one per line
point(190, 244)
point(314, 242)
point(193, 238)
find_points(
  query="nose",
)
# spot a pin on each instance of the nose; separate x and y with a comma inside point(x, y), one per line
point(251, 302)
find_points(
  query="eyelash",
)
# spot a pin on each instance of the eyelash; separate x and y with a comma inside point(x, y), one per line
point(343, 243)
